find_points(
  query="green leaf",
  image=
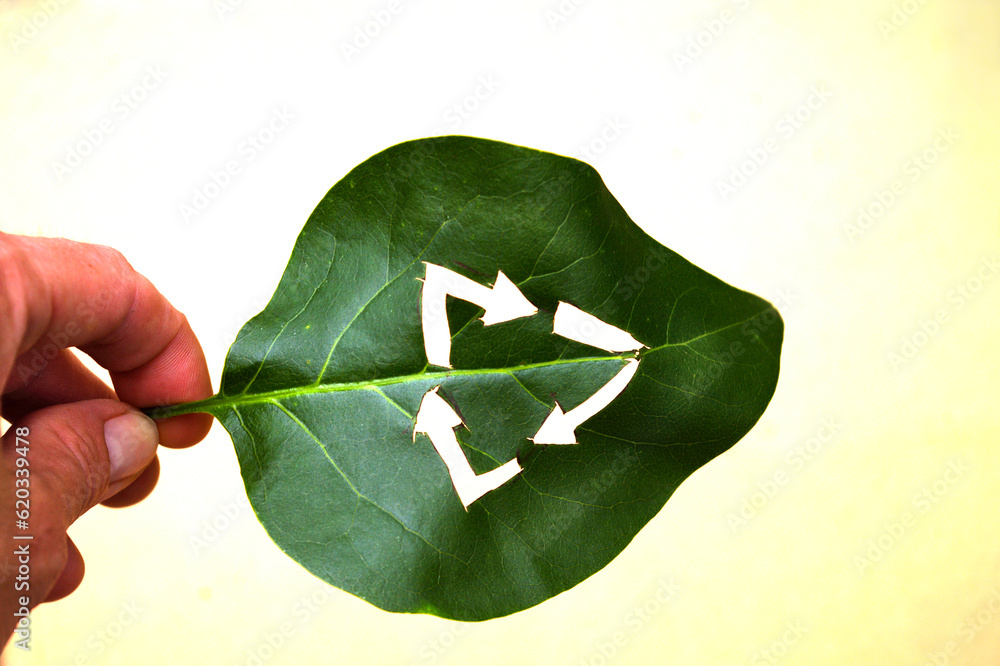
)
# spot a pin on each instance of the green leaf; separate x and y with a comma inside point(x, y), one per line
point(321, 390)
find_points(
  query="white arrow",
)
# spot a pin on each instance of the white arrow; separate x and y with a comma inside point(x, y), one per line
point(437, 419)
point(503, 302)
point(559, 426)
point(573, 323)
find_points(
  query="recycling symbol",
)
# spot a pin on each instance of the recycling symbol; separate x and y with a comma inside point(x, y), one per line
point(505, 302)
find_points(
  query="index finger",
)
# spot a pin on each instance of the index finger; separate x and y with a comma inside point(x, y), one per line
point(90, 297)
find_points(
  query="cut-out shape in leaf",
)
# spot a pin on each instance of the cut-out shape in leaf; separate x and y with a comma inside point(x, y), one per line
point(321, 390)
point(500, 303)
point(436, 419)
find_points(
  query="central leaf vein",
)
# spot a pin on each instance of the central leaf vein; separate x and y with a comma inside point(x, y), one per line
point(221, 401)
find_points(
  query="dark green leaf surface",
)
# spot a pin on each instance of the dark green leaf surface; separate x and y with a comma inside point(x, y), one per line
point(321, 389)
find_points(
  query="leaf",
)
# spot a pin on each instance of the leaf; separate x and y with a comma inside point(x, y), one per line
point(321, 390)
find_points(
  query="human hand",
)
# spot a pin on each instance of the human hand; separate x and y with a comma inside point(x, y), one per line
point(83, 442)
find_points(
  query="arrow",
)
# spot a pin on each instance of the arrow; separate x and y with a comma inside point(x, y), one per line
point(503, 302)
point(573, 323)
point(436, 419)
point(559, 426)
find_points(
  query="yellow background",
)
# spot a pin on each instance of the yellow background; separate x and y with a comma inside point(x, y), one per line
point(856, 524)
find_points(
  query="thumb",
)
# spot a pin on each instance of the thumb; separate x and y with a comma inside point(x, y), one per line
point(76, 455)
point(81, 453)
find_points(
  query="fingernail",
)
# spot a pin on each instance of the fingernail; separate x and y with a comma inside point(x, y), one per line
point(131, 440)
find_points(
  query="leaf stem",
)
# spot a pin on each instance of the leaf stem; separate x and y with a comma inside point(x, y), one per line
point(197, 407)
